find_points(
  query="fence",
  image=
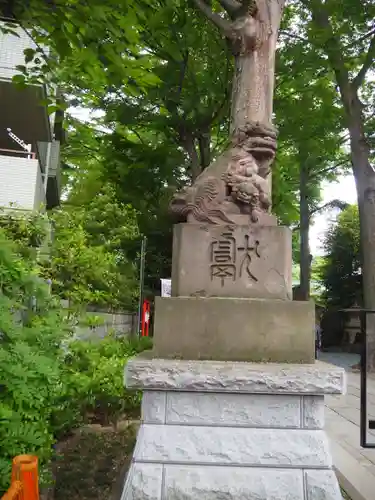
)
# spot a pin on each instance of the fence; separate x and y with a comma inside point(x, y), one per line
point(24, 482)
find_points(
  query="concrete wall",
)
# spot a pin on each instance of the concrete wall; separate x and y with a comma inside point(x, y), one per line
point(122, 324)
point(21, 183)
point(40, 193)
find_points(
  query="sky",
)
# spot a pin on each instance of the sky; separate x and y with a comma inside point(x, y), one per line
point(344, 189)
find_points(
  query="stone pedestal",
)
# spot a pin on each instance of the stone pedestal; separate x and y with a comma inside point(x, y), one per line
point(223, 430)
point(232, 329)
point(232, 261)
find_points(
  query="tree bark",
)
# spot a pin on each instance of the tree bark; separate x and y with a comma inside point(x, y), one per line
point(188, 142)
point(254, 75)
point(365, 182)
point(252, 32)
point(204, 141)
point(305, 257)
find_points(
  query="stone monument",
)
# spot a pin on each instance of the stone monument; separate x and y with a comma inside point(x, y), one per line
point(233, 400)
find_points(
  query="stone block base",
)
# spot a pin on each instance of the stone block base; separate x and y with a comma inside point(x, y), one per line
point(232, 430)
point(234, 329)
point(232, 261)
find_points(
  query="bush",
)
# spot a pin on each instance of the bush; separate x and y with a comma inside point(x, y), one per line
point(94, 383)
point(50, 383)
point(31, 332)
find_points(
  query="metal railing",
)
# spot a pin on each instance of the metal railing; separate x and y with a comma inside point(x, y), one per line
point(24, 481)
point(15, 492)
point(365, 423)
point(15, 152)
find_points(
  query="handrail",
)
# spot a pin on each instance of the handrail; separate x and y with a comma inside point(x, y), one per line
point(15, 492)
point(27, 153)
point(24, 483)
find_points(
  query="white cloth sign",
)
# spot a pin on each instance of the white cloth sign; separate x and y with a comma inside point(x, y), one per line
point(166, 285)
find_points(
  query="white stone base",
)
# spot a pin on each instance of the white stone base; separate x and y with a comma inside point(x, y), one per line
point(232, 431)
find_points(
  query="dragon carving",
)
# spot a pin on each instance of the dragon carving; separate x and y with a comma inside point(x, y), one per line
point(235, 184)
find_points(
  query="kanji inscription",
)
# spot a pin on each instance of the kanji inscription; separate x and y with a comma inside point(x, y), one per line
point(229, 260)
point(223, 258)
point(248, 252)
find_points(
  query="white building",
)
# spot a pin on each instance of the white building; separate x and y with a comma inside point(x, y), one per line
point(29, 147)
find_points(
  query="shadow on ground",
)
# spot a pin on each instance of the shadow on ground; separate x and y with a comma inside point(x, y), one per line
point(343, 359)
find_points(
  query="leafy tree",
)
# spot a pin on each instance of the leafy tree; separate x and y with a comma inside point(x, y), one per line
point(311, 130)
point(85, 266)
point(188, 107)
point(340, 270)
point(344, 33)
point(88, 46)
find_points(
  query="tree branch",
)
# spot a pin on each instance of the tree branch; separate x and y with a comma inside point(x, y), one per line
point(221, 23)
point(231, 6)
point(329, 169)
point(332, 45)
point(294, 36)
point(341, 205)
point(360, 39)
point(369, 59)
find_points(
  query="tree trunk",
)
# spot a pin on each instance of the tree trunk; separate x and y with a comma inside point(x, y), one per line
point(365, 182)
point(204, 141)
point(254, 76)
point(188, 143)
point(305, 258)
point(252, 89)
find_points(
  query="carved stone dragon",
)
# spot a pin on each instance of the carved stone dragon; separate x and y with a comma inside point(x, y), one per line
point(235, 183)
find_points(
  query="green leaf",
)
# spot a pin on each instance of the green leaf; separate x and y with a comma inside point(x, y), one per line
point(19, 79)
point(29, 54)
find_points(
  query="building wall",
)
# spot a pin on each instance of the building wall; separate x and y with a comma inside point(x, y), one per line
point(40, 194)
point(20, 183)
point(11, 51)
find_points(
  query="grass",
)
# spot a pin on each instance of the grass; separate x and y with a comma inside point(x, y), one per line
point(92, 463)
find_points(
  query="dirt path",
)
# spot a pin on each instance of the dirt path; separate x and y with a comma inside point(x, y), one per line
point(92, 464)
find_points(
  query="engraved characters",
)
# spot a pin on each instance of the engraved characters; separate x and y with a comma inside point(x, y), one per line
point(230, 260)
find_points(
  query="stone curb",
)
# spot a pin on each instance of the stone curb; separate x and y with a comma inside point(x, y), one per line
point(251, 378)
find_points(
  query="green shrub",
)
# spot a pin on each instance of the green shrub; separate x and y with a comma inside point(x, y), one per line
point(31, 331)
point(49, 383)
point(94, 372)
